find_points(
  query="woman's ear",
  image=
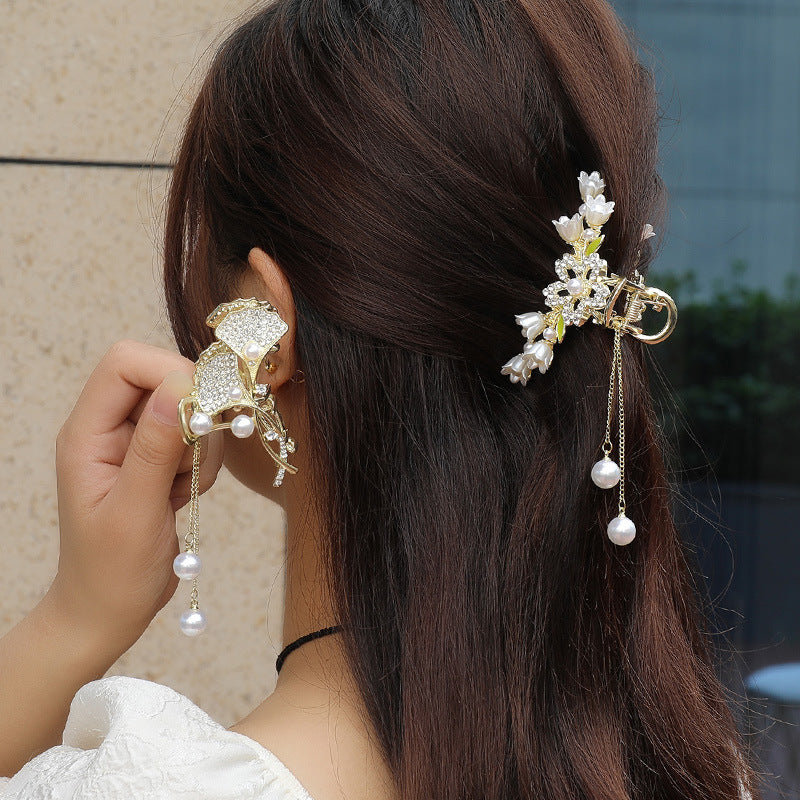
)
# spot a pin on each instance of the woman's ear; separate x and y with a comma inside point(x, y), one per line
point(265, 280)
point(245, 459)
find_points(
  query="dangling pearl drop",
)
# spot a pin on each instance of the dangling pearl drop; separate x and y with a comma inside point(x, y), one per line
point(193, 622)
point(186, 565)
point(621, 530)
point(605, 473)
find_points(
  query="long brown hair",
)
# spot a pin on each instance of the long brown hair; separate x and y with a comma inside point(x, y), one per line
point(402, 160)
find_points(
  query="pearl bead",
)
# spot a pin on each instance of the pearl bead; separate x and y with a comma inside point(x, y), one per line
point(605, 473)
point(252, 350)
point(186, 566)
point(550, 334)
point(621, 530)
point(193, 622)
point(242, 426)
point(200, 423)
point(575, 286)
point(235, 393)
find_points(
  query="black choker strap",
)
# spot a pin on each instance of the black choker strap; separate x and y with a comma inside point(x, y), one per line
point(302, 640)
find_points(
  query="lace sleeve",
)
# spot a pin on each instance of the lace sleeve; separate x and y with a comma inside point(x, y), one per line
point(127, 738)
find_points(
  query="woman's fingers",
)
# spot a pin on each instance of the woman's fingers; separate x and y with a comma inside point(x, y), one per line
point(118, 458)
point(211, 447)
point(116, 386)
point(117, 442)
point(211, 462)
point(102, 426)
point(156, 447)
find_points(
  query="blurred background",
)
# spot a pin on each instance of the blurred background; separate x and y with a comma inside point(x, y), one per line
point(93, 98)
point(728, 73)
point(92, 91)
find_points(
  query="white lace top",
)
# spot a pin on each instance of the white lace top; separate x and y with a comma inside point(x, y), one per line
point(130, 738)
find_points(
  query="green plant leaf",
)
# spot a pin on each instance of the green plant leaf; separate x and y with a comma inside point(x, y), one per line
point(560, 327)
point(594, 244)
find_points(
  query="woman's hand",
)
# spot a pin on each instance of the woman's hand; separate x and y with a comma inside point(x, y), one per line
point(123, 469)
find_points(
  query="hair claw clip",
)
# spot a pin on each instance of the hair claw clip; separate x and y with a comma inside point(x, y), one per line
point(638, 297)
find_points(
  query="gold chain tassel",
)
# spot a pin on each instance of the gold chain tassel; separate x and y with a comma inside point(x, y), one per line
point(607, 473)
point(187, 564)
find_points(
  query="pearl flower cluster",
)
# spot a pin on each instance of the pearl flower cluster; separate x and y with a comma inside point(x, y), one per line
point(582, 290)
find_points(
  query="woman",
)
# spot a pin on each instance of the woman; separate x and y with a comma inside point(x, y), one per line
point(385, 174)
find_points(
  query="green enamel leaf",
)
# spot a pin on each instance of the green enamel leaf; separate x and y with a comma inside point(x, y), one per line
point(593, 245)
point(560, 327)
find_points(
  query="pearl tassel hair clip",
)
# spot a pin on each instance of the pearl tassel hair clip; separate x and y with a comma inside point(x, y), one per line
point(585, 291)
point(225, 378)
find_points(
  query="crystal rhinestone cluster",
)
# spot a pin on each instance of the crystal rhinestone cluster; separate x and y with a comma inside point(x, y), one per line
point(220, 370)
point(581, 291)
point(249, 332)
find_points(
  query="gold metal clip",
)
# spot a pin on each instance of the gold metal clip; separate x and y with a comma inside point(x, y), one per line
point(638, 297)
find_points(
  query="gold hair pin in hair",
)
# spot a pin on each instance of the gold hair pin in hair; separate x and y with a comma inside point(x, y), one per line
point(224, 379)
point(585, 291)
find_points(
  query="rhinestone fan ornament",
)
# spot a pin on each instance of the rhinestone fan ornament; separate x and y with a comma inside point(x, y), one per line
point(225, 379)
point(584, 290)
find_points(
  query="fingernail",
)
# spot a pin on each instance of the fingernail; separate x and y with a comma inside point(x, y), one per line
point(174, 387)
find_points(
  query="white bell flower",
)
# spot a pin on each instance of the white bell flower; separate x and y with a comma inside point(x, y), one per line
point(542, 354)
point(533, 323)
point(518, 368)
point(569, 229)
point(589, 235)
point(591, 184)
point(596, 210)
point(647, 231)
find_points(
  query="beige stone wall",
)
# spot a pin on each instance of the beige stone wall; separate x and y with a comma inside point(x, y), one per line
point(79, 269)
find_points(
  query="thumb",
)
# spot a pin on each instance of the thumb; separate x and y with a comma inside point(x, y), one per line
point(156, 447)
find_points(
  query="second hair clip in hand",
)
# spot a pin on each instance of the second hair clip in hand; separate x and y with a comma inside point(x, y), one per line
point(225, 379)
